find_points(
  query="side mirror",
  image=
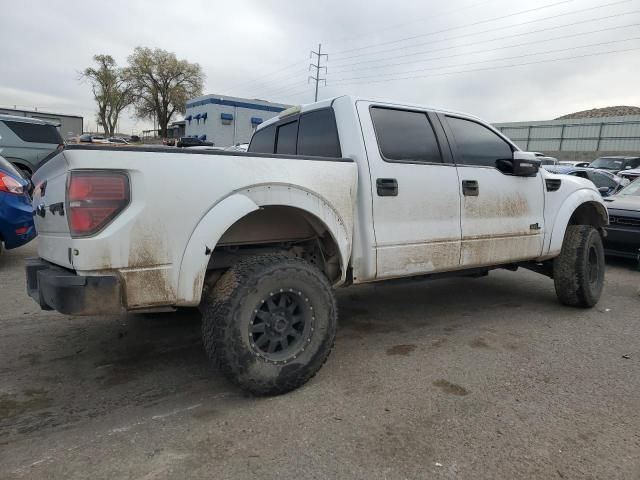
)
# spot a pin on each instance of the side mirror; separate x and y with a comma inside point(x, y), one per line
point(518, 167)
point(603, 190)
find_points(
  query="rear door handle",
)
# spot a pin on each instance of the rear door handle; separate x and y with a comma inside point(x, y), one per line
point(470, 188)
point(387, 187)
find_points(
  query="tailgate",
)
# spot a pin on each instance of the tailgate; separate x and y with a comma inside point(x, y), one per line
point(50, 182)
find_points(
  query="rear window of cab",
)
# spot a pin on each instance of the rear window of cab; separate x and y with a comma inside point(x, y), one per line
point(309, 134)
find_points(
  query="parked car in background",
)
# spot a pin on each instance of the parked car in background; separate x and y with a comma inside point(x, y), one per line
point(623, 231)
point(26, 141)
point(240, 147)
point(630, 175)
point(545, 159)
point(117, 140)
point(606, 182)
point(616, 164)
point(573, 163)
point(89, 138)
point(134, 139)
point(184, 142)
point(16, 213)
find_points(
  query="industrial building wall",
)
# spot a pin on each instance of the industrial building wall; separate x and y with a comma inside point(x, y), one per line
point(229, 120)
point(577, 139)
point(70, 126)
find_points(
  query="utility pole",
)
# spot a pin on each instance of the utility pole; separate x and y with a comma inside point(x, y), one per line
point(318, 67)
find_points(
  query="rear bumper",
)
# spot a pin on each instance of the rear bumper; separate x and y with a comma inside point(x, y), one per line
point(55, 288)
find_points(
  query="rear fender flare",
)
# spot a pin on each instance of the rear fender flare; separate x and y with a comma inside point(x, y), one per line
point(239, 204)
point(211, 227)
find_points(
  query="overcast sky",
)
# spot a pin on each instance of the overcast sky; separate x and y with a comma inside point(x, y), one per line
point(403, 49)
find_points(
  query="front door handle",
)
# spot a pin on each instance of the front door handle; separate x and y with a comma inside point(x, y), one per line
point(387, 187)
point(470, 188)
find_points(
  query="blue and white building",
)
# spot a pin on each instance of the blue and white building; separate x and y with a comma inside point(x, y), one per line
point(225, 120)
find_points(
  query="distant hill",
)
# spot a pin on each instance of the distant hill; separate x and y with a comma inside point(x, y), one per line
point(618, 111)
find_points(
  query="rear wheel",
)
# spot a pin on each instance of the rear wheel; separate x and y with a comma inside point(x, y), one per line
point(578, 272)
point(269, 323)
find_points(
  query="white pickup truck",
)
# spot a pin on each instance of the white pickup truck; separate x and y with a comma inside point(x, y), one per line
point(340, 192)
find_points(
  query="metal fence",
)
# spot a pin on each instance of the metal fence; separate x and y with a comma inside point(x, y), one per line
point(611, 134)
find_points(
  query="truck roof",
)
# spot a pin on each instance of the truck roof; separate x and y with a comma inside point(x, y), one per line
point(353, 99)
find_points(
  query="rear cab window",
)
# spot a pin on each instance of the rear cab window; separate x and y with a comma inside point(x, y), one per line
point(312, 133)
point(263, 141)
point(287, 138)
point(318, 134)
point(35, 132)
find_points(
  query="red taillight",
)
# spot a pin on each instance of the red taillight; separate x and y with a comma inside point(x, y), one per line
point(94, 199)
point(10, 185)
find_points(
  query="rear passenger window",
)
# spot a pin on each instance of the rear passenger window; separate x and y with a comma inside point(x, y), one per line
point(263, 140)
point(404, 135)
point(318, 135)
point(476, 144)
point(35, 133)
point(287, 138)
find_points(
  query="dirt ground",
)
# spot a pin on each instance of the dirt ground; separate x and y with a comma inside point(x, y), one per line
point(462, 378)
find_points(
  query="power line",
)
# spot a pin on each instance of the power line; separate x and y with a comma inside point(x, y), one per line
point(551, 39)
point(318, 67)
point(477, 42)
point(480, 22)
point(266, 75)
point(289, 66)
point(494, 29)
point(282, 90)
point(488, 68)
point(404, 24)
point(492, 59)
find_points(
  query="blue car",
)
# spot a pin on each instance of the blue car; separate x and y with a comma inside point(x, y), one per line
point(16, 213)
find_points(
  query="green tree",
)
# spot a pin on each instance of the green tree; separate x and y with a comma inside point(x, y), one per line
point(111, 91)
point(162, 84)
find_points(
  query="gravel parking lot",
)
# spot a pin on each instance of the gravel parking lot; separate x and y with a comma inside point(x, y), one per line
point(459, 378)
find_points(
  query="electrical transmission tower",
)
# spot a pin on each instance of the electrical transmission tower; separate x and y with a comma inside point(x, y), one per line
point(317, 66)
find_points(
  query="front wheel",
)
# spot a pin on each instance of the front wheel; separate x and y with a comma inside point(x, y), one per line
point(269, 323)
point(578, 272)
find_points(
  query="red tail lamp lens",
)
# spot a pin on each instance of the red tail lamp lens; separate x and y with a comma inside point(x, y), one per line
point(95, 199)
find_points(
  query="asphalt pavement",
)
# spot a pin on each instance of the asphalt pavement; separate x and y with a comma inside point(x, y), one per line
point(464, 378)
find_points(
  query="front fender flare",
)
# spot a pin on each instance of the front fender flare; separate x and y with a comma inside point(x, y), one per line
point(568, 207)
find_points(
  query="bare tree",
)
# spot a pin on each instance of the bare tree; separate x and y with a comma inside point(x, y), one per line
point(111, 91)
point(162, 84)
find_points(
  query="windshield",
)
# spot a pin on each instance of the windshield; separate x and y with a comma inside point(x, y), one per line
point(631, 189)
point(608, 163)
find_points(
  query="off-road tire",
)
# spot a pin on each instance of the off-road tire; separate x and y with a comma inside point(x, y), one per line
point(578, 272)
point(229, 309)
